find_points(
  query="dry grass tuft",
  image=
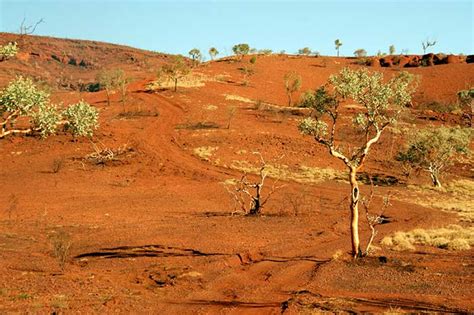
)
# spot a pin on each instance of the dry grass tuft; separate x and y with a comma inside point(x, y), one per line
point(204, 153)
point(231, 97)
point(452, 237)
point(304, 174)
point(455, 196)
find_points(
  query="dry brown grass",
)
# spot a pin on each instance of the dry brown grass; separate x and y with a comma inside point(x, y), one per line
point(456, 196)
point(204, 153)
point(452, 237)
point(304, 174)
point(231, 97)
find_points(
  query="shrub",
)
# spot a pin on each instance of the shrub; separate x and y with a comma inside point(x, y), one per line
point(82, 119)
point(8, 51)
point(360, 53)
point(434, 149)
point(304, 51)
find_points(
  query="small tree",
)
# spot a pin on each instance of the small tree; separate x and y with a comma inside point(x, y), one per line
point(122, 83)
point(213, 52)
point(8, 51)
point(196, 55)
point(360, 53)
point(174, 71)
point(338, 45)
point(241, 50)
point(380, 102)
point(110, 80)
point(21, 98)
point(426, 44)
point(392, 49)
point(466, 101)
point(435, 149)
point(304, 51)
point(292, 82)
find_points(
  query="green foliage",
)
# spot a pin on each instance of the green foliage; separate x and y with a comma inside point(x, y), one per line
point(46, 120)
point(265, 51)
point(21, 96)
point(392, 50)
point(195, 54)
point(338, 45)
point(360, 53)
point(213, 52)
point(174, 71)
point(306, 99)
point(8, 51)
point(381, 101)
point(82, 119)
point(241, 49)
point(466, 96)
point(434, 149)
point(304, 51)
point(253, 60)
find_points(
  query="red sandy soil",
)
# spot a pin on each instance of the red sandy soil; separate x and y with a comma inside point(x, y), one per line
point(153, 232)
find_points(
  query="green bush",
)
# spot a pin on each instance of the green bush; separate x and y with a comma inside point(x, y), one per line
point(82, 119)
point(46, 120)
point(21, 98)
point(8, 51)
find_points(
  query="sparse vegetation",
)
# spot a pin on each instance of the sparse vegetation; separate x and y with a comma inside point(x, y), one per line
point(8, 51)
point(360, 53)
point(391, 49)
point(174, 71)
point(435, 149)
point(195, 55)
point(338, 45)
point(249, 194)
point(380, 104)
point(204, 153)
point(21, 98)
point(110, 80)
point(61, 244)
point(306, 51)
point(426, 44)
point(452, 237)
point(213, 52)
point(292, 81)
point(241, 50)
point(466, 101)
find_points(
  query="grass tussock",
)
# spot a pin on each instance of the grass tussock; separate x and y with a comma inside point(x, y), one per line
point(452, 237)
point(304, 174)
point(455, 196)
point(204, 153)
point(231, 97)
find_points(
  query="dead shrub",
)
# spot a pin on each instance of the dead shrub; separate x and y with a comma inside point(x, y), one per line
point(61, 244)
point(103, 155)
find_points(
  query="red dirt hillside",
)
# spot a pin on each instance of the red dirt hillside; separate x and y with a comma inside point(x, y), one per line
point(153, 229)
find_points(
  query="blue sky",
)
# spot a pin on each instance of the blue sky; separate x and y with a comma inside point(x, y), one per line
point(177, 26)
